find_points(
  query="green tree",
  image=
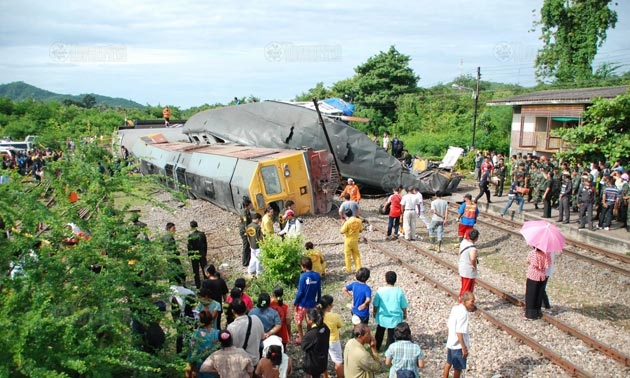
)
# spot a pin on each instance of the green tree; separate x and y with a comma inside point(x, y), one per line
point(572, 31)
point(380, 81)
point(319, 92)
point(604, 133)
point(89, 101)
point(60, 318)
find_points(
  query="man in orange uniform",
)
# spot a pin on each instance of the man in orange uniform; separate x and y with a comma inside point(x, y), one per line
point(352, 189)
point(167, 116)
point(351, 228)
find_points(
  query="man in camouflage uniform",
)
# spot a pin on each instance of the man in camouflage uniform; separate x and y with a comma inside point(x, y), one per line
point(246, 219)
point(500, 170)
point(535, 189)
point(577, 182)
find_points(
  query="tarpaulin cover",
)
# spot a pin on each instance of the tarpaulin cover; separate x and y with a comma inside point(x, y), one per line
point(280, 125)
point(346, 107)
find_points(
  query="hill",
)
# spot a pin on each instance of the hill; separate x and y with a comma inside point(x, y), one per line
point(19, 90)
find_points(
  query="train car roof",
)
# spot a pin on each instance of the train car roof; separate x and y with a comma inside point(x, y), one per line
point(241, 152)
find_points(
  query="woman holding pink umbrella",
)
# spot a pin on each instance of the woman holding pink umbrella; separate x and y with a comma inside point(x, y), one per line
point(546, 239)
point(538, 261)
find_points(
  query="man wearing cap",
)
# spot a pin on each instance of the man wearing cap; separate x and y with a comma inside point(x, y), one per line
point(410, 204)
point(197, 252)
point(292, 226)
point(353, 190)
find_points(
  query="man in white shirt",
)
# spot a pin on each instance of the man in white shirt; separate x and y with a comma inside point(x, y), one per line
point(410, 205)
point(458, 340)
point(246, 336)
point(421, 214)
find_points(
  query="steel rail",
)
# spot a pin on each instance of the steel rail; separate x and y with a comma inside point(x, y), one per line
point(566, 365)
point(596, 344)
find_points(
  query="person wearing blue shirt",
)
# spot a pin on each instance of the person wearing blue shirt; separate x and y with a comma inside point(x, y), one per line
point(309, 293)
point(361, 294)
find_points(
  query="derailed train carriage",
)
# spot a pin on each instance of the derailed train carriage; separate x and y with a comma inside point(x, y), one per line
point(225, 174)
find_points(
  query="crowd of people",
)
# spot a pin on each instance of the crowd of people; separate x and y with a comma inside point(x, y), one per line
point(598, 191)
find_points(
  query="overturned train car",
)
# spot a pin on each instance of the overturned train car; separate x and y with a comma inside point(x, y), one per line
point(225, 174)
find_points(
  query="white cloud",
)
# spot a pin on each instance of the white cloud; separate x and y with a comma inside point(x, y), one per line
point(190, 52)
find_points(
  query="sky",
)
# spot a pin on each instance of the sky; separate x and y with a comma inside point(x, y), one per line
point(186, 53)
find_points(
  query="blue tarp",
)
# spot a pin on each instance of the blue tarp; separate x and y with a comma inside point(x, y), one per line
point(346, 107)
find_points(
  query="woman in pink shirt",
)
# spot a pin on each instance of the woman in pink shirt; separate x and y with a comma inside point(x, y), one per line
point(538, 261)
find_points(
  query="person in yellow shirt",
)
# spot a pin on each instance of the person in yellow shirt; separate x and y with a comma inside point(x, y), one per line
point(334, 323)
point(351, 228)
point(319, 264)
point(352, 189)
point(267, 222)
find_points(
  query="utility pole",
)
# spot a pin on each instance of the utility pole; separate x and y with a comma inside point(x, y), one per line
point(476, 94)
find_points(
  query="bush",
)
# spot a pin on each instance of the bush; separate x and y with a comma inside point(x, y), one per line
point(281, 260)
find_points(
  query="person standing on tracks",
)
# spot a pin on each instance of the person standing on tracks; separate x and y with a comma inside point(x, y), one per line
point(468, 212)
point(395, 211)
point(353, 190)
point(349, 204)
point(468, 262)
point(484, 186)
point(351, 228)
point(458, 341)
point(166, 113)
point(411, 205)
point(539, 261)
point(246, 219)
point(197, 252)
point(515, 194)
point(439, 207)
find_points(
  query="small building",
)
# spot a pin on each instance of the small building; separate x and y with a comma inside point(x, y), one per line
point(535, 115)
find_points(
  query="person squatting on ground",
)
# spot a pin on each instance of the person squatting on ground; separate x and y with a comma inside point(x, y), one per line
point(309, 293)
point(468, 212)
point(395, 212)
point(351, 228)
point(317, 258)
point(405, 357)
point(361, 294)
point(439, 208)
point(468, 262)
point(411, 205)
point(334, 323)
point(357, 360)
point(197, 252)
point(315, 344)
point(389, 309)
point(458, 341)
point(246, 219)
point(254, 237)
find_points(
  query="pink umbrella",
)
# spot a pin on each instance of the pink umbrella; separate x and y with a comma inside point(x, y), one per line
point(543, 235)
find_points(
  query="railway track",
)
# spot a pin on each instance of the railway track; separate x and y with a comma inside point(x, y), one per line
point(512, 227)
point(548, 353)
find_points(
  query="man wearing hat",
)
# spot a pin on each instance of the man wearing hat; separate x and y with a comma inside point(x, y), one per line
point(292, 225)
point(353, 190)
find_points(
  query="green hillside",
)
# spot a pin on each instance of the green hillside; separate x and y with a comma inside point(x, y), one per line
point(19, 90)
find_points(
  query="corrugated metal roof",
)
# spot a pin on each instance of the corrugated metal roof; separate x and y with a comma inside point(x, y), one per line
point(563, 96)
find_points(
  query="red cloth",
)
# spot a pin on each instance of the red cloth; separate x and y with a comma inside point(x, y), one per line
point(463, 230)
point(284, 329)
point(468, 284)
point(538, 261)
point(395, 210)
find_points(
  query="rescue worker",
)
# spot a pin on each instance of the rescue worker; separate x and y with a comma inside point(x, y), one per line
point(351, 228)
point(166, 112)
point(352, 189)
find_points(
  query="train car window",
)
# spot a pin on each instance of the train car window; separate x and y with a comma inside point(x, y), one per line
point(271, 180)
